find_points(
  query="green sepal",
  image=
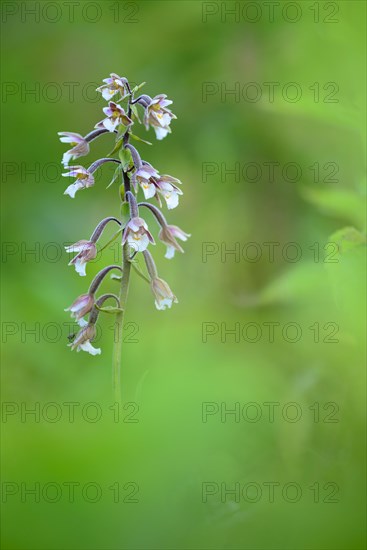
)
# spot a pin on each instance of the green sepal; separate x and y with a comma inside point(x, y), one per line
point(125, 213)
point(137, 138)
point(115, 175)
point(116, 148)
point(109, 309)
point(134, 110)
point(138, 87)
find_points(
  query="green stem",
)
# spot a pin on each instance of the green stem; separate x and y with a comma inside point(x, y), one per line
point(124, 287)
point(119, 324)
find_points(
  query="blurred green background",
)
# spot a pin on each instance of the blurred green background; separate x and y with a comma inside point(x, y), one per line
point(168, 456)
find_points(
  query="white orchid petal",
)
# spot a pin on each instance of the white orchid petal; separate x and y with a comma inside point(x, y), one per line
point(149, 190)
point(80, 268)
point(171, 199)
point(87, 346)
point(160, 133)
point(170, 252)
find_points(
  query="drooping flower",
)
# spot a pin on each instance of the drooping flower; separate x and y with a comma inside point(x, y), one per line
point(86, 251)
point(84, 179)
point(158, 116)
point(115, 115)
point(137, 234)
point(80, 307)
point(80, 146)
point(164, 296)
point(142, 176)
point(83, 340)
point(168, 235)
point(166, 186)
point(112, 86)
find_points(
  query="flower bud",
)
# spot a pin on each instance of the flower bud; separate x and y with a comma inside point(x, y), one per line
point(80, 146)
point(164, 296)
point(168, 235)
point(87, 251)
point(81, 306)
point(83, 340)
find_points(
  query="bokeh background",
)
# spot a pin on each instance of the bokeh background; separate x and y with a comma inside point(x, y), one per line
point(161, 452)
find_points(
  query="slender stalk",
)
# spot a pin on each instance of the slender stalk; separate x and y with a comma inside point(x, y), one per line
point(124, 289)
point(119, 324)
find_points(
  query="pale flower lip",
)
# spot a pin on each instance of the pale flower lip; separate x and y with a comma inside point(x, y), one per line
point(83, 340)
point(115, 115)
point(80, 149)
point(164, 296)
point(112, 86)
point(84, 179)
point(137, 234)
point(86, 251)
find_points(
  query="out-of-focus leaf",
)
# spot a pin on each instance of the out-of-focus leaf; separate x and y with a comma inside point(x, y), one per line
point(342, 204)
point(347, 277)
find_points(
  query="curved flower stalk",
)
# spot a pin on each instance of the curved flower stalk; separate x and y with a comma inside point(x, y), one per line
point(137, 177)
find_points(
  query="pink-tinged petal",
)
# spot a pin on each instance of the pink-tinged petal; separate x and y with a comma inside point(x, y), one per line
point(147, 172)
point(178, 233)
point(150, 236)
point(107, 111)
point(80, 246)
point(136, 223)
point(107, 93)
point(70, 137)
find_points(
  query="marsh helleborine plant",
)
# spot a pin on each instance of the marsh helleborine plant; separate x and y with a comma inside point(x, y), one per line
point(137, 175)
